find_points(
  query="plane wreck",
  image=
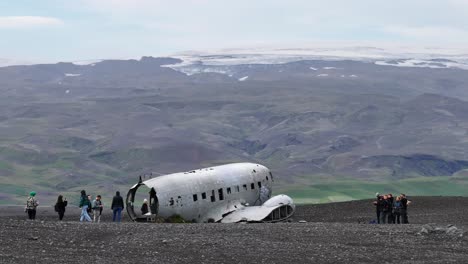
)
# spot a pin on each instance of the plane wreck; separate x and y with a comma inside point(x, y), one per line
point(238, 192)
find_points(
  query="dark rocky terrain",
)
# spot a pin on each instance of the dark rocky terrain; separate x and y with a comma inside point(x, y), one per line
point(333, 233)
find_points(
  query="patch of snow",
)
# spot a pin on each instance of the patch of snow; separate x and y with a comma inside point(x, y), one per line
point(87, 62)
point(312, 68)
point(330, 68)
point(243, 78)
point(67, 91)
point(353, 76)
point(342, 76)
point(209, 70)
point(322, 75)
point(381, 54)
point(72, 74)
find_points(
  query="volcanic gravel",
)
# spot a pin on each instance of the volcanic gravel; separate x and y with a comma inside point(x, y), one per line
point(332, 233)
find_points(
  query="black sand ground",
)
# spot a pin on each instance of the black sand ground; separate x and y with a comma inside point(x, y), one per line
point(334, 233)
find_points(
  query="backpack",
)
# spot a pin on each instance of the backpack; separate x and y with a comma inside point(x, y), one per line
point(397, 206)
point(96, 204)
point(31, 203)
point(56, 208)
point(90, 209)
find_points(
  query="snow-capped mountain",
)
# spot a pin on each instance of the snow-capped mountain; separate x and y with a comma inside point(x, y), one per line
point(402, 56)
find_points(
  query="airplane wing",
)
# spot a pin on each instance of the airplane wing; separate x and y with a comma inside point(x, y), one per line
point(276, 209)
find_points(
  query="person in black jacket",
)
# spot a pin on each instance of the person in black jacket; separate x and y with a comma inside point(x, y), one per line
point(404, 208)
point(144, 207)
point(378, 206)
point(385, 210)
point(391, 217)
point(60, 206)
point(117, 206)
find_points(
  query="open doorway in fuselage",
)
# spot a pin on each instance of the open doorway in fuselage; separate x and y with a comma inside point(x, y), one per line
point(135, 200)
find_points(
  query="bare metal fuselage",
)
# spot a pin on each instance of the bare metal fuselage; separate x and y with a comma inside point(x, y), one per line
point(210, 194)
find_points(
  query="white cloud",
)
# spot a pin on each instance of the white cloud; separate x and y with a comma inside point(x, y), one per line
point(28, 22)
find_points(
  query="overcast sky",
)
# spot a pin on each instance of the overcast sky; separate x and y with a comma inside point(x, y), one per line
point(51, 30)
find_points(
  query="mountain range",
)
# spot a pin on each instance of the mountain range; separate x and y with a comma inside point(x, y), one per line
point(67, 126)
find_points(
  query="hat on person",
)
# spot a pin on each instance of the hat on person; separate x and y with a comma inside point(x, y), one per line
point(144, 200)
point(377, 194)
point(32, 194)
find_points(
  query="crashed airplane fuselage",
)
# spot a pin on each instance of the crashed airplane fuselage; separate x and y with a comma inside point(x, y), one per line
point(229, 193)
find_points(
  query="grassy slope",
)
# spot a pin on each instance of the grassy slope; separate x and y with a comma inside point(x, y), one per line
point(349, 189)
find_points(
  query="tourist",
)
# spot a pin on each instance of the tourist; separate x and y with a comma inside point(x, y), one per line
point(60, 206)
point(90, 208)
point(378, 206)
point(31, 205)
point(84, 204)
point(397, 209)
point(385, 210)
point(391, 218)
point(404, 208)
point(144, 207)
point(117, 206)
point(97, 209)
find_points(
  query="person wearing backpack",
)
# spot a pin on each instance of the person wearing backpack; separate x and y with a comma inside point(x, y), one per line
point(31, 205)
point(60, 206)
point(97, 209)
point(84, 204)
point(397, 209)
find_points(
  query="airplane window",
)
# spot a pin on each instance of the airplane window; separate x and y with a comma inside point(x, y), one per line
point(213, 198)
point(252, 186)
point(228, 190)
point(171, 201)
point(245, 186)
point(195, 197)
point(259, 185)
point(267, 178)
point(221, 195)
point(237, 188)
point(203, 195)
point(271, 175)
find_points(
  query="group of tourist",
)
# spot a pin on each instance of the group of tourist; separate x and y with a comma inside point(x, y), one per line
point(90, 207)
point(391, 210)
point(91, 210)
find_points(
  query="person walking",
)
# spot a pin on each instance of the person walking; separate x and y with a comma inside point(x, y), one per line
point(117, 206)
point(60, 206)
point(31, 205)
point(97, 209)
point(84, 204)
